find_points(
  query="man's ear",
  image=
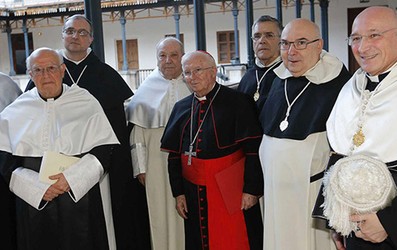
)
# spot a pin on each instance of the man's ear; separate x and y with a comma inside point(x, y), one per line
point(63, 68)
point(92, 39)
point(320, 44)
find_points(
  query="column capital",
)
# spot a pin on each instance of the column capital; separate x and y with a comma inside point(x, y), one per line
point(324, 3)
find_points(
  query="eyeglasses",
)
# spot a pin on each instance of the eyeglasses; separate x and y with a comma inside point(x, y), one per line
point(80, 32)
point(266, 35)
point(357, 39)
point(52, 69)
point(298, 44)
point(196, 72)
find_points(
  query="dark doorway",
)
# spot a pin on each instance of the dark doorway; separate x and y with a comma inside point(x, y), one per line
point(18, 52)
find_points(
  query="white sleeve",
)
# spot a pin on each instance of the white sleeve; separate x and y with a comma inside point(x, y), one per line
point(138, 150)
point(26, 185)
point(83, 175)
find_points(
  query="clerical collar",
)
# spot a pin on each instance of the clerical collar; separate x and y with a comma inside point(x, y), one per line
point(373, 81)
point(52, 98)
point(203, 98)
point(260, 64)
point(377, 78)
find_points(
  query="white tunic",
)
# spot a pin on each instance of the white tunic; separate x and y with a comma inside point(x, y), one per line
point(72, 124)
point(149, 110)
point(289, 196)
point(379, 120)
point(287, 165)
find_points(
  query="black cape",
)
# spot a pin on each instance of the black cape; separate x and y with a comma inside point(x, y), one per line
point(131, 221)
point(231, 124)
point(308, 114)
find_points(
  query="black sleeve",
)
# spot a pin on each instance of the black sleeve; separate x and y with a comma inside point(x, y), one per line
point(175, 174)
point(8, 163)
point(388, 219)
point(253, 176)
point(249, 134)
point(104, 155)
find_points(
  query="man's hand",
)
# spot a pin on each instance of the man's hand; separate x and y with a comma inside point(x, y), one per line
point(338, 240)
point(142, 178)
point(370, 228)
point(61, 186)
point(248, 201)
point(181, 206)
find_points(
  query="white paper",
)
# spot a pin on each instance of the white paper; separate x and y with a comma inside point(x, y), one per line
point(54, 163)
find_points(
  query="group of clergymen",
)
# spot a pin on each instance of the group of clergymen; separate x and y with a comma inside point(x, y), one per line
point(299, 157)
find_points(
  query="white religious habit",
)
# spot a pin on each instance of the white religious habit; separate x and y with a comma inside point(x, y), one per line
point(72, 124)
point(149, 111)
point(289, 163)
point(362, 123)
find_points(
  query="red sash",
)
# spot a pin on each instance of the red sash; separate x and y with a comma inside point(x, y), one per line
point(224, 180)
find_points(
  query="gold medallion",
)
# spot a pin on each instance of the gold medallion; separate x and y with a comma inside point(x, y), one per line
point(358, 138)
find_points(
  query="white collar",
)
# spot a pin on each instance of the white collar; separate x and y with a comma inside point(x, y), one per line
point(326, 69)
point(76, 62)
point(260, 64)
point(376, 78)
point(203, 98)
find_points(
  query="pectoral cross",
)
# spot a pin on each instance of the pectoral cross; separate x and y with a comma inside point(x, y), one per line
point(190, 154)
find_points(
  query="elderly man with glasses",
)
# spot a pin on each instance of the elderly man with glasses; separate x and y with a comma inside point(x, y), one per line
point(65, 209)
point(294, 149)
point(212, 138)
point(85, 69)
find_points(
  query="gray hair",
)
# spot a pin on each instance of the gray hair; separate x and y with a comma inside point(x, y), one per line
point(267, 18)
point(36, 52)
point(170, 38)
point(209, 59)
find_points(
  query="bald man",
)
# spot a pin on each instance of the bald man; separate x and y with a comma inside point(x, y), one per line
point(357, 129)
point(72, 211)
point(294, 149)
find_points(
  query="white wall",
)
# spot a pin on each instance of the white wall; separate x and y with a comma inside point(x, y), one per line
point(338, 24)
point(149, 31)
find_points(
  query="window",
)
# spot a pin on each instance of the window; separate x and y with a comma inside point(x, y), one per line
point(132, 54)
point(19, 53)
point(226, 46)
